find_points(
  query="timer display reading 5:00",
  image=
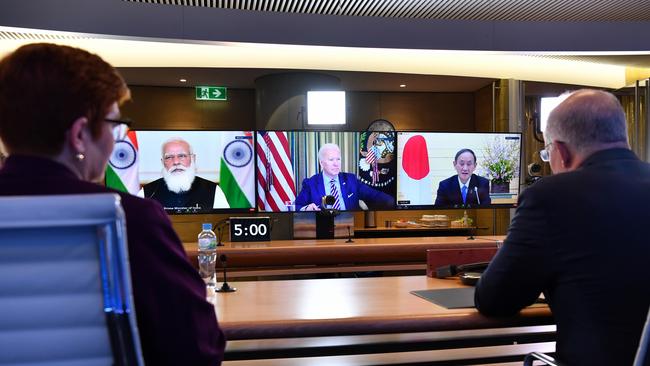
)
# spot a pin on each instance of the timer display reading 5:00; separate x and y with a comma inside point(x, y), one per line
point(250, 228)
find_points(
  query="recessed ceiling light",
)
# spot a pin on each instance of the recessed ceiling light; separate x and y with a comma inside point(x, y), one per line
point(402, 85)
point(183, 80)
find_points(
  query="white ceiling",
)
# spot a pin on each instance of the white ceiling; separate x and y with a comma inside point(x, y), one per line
point(350, 80)
point(560, 11)
point(508, 10)
point(157, 42)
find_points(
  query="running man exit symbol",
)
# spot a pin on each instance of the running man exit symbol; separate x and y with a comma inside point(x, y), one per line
point(211, 93)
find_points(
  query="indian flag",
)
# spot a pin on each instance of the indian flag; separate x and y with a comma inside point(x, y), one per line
point(237, 173)
point(122, 169)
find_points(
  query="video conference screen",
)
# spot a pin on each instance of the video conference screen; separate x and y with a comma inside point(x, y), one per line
point(457, 170)
point(187, 171)
point(286, 171)
point(313, 170)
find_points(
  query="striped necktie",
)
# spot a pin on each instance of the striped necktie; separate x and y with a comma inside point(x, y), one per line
point(335, 193)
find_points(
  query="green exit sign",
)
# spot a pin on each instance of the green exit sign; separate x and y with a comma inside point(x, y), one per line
point(211, 93)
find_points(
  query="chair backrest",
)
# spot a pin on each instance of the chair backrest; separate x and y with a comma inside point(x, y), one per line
point(642, 358)
point(65, 289)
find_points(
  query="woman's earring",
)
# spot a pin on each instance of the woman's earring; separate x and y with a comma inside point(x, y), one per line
point(80, 156)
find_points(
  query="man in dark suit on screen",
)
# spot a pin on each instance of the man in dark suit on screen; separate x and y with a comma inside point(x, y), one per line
point(465, 189)
point(578, 236)
point(344, 187)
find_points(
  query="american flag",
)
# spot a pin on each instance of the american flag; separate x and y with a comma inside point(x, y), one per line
point(275, 181)
point(371, 159)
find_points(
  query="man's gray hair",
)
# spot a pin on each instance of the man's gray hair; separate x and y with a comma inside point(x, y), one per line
point(586, 119)
point(325, 147)
point(175, 139)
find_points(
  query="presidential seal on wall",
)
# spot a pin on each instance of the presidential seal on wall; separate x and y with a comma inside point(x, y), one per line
point(377, 161)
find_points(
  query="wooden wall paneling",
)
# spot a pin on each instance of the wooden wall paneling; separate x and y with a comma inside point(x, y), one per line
point(429, 111)
point(483, 123)
point(483, 109)
point(176, 108)
point(363, 108)
point(502, 103)
point(188, 227)
point(485, 219)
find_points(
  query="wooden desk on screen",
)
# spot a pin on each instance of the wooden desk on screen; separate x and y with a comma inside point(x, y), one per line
point(334, 317)
point(335, 255)
point(393, 231)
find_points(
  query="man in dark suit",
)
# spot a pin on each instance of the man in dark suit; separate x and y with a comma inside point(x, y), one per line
point(465, 189)
point(578, 236)
point(344, 187)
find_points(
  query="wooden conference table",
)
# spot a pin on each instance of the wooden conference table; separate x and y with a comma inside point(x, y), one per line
point(409, 231)
point(335, 255)
point(334, 308)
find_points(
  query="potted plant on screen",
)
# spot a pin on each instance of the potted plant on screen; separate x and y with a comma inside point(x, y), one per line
point(500, 157)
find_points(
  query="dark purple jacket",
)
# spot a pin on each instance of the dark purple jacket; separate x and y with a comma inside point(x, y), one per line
point(177, 325)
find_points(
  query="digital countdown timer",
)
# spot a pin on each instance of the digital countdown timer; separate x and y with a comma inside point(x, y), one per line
point(250, 229)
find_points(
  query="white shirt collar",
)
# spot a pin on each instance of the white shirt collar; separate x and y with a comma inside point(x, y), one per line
point(466, 184)
point(327, 178)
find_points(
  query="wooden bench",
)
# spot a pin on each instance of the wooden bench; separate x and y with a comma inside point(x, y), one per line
point(384, 343)
point(493, 356)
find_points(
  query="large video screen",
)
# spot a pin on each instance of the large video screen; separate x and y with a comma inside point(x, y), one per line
point(457, 170)
point(187, 171)
point(313, 170)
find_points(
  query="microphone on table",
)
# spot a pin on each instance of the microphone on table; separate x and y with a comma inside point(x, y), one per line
point(219, 227)
point(478, 200)
point(225, 287)
point(327, 201)
point(349, 236)
point(326, 206)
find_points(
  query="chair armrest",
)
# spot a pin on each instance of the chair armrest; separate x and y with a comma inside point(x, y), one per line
point(546, 359)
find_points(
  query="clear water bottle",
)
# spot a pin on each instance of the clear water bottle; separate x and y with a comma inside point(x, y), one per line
point(207, 254)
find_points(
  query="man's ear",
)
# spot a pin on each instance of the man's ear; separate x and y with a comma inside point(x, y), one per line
point(78, 135)
point(565, 153)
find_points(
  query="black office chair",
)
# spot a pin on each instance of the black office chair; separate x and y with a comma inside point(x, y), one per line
point(65, 288)
point(641, 358)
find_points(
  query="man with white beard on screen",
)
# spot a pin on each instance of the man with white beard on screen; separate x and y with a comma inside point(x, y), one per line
point(180, 189)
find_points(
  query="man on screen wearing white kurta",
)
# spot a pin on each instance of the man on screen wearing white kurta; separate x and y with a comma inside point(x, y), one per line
point(180, 188)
